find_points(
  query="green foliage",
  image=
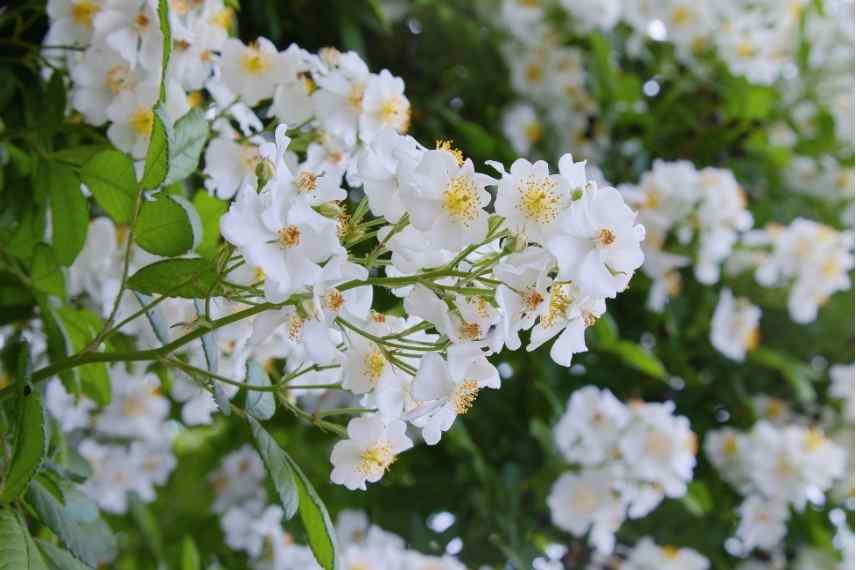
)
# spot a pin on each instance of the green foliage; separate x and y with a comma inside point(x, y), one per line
point(69, 214)
point(46, 273)
point(210, 211)
point(157, 155)
point(189, 278)
point(188, 137)
point(31, 446)
point(110, 177)
point(17, 549)
point(259, 404)
point(89, 539)
point(296, 493)
point(167, 225)
point(79, 327)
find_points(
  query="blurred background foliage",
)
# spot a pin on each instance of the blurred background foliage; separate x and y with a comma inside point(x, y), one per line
point(494, 470)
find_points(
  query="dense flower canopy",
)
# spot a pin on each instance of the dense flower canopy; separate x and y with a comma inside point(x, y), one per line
point(265, 301)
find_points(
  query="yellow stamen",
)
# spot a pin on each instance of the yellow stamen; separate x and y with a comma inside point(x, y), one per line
point(289, 236)
point(373, 365)
point(306, 182)
point(83, 11)
point(334, 300)
point(605, 237)
point(464, 396)
point(446, 144)
point(254, 61)
point(141, 121)
point(538, 202)
point(460, 199)
point(376, 459)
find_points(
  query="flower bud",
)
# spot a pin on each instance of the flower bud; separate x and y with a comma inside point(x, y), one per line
point(264, 172)
point(330, 210)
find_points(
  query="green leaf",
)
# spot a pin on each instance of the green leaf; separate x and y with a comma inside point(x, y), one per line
point(17, 549)
point(319, 529)
point(30, 231)
point(261, 405)
point(188, 137)
point(210, 211)
point(187, 278)
point(31, 446)
point(278, 467)
point(69, 213)
point(157, 155)
point(698, 500)
point(91, 542)
point(46, 273)
point(110, 177)
point(288, 477)
point(80, 327)
point(58, 558)
point(79, 155)
point(189, 555)
point(166, 30)
point(637, 357)
point(167, 226)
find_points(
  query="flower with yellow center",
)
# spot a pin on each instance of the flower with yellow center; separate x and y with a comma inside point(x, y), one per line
point(289, 236)
point(560, 302)
point(254, 61)
point(605, 237)
point(306, 182)
point(334, 301)
point(83, 11)
point(141, 121)
point(460, 199)
point(374, 364)
point(538, 201)
point(464, 396)
point(376, 459)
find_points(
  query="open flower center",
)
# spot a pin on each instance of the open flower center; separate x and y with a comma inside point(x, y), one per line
point(289, 236)
point(605, 237)
point(223, 18)
point(560, 302)
point(373, 365)
point(471, 331)
point(461, 200)
point(532, 299)
point(334, 300)
point(116, 79)
point(82, 12)
point(141, 22)
point(394, 113)
point(376, 459)
point(306, 182)
point(254, 61)
point(141, 121)
point(670, 552)
point(464, 396)
point(538, 202)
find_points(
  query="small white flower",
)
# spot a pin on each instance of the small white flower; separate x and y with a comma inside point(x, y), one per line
point(448, 388)
point(371, 448)
point(599, 244)
point(734, 328)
